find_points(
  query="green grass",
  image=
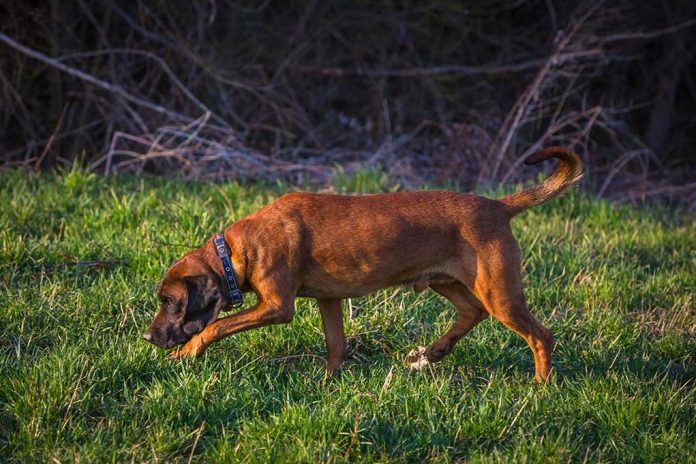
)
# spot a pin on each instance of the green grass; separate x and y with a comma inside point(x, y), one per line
point(615, 285)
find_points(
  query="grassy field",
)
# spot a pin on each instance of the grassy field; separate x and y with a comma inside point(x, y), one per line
point(80, 257)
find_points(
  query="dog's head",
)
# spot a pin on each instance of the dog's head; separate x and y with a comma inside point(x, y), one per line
point(190, 298)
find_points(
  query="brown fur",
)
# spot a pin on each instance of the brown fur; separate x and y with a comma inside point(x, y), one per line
point(332, 247)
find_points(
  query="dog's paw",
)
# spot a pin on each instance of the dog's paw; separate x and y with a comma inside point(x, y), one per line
point(192, 349)
point(416, 359)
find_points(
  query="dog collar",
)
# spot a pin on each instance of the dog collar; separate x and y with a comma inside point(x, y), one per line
point(224, 254)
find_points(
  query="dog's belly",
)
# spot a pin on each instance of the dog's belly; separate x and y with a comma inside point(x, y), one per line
point(337, 290)
point(352, 285)
point(340, 292)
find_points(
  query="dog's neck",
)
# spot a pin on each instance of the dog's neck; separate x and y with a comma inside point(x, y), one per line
point(209, 253)
point(223, 252)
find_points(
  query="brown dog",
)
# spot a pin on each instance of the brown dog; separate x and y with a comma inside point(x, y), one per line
point(332, 247)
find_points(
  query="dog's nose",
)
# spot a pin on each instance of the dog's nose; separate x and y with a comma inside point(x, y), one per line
point(147, 336)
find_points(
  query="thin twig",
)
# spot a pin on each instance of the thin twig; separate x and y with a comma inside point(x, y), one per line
point(52, 138)
point(648, 35)
point(195, 442)
point(460, 70)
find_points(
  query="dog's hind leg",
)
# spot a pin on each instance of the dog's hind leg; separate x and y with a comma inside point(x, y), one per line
point(471, 312)
point(499, 287)
point(332, 319)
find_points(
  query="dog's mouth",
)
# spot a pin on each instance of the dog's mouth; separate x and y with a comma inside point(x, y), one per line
point(177, 334)
point(166, 344)
point(169, 342)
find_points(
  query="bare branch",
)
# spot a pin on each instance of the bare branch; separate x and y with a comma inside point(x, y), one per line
point(648, 35)
point(460, 70)
point(109, 87)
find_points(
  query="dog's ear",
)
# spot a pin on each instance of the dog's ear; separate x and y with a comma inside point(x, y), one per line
point(205, 293)
point(204, 303)
point(202, 293)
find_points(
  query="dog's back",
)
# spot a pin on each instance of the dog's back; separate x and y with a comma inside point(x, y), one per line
point(344, 245)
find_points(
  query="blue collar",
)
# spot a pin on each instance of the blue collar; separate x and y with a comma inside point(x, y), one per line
point(223, 253)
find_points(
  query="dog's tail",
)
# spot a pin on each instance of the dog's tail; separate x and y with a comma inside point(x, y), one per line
point(568, 173)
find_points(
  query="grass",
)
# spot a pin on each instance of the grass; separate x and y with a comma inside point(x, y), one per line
point(80, 257)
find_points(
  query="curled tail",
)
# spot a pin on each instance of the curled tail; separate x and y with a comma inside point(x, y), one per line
point(568, 173)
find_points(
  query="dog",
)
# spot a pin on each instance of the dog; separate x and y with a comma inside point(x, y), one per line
point(333, 247)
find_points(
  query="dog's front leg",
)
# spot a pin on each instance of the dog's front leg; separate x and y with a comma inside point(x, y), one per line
point(267, 311)
point(332, 319)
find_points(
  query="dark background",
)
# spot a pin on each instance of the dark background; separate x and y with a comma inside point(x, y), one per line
point(429, 91)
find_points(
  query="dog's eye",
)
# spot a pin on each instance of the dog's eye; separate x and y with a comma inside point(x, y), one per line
point(168, 303)
point(173, 306)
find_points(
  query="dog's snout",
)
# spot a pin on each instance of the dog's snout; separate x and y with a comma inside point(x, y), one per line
point(147, 336)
